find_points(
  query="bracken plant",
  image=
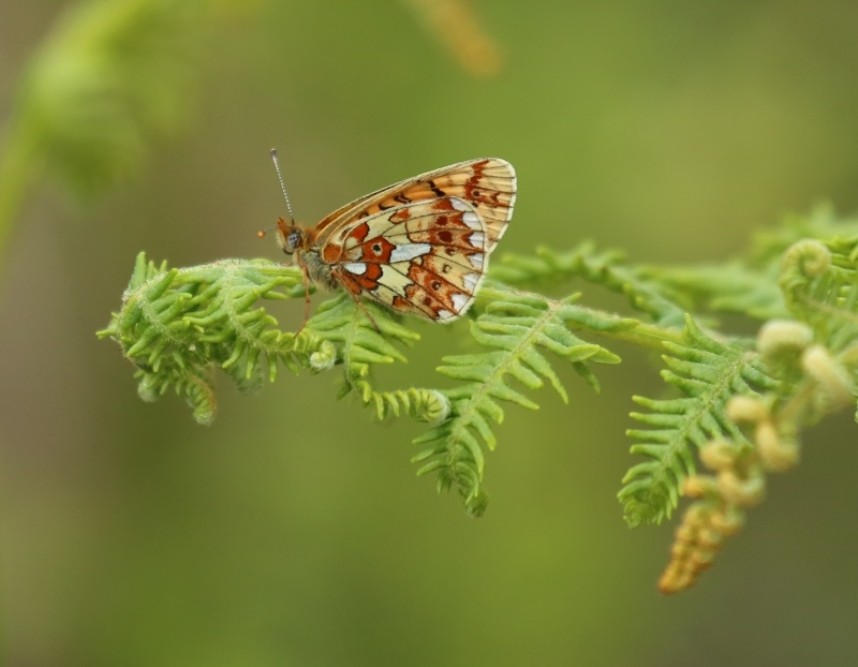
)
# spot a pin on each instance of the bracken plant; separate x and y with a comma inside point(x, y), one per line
point(738, 407)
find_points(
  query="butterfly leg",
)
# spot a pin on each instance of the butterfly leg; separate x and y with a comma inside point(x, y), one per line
point(306, 277)
point(366, 312)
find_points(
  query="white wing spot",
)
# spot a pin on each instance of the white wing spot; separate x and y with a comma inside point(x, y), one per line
point(357, 268)
point(476, 260)
point(478, 240)
point(471, 281)
point(408, 251)
point(445, 315)
point(460, 204)
point(472, 220)
point(461, 301)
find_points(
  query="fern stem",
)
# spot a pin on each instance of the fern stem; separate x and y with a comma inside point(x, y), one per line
point(614, 327)
point(641, 333)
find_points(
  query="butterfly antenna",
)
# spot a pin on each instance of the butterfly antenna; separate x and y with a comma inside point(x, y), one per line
point(282, 184)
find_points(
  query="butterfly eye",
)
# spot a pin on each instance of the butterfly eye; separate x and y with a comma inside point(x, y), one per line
point(293, 240)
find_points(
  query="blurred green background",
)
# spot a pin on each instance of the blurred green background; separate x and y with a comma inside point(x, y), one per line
point(293, 530)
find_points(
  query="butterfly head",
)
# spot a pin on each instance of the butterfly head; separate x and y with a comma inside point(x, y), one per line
point(291, 236)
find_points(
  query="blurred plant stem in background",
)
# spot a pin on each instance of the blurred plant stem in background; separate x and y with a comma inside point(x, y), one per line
point(459, 30)
point(111, 76)
point(17, 171)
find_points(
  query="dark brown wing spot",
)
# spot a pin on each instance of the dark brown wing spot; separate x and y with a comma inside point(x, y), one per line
point(438, 191)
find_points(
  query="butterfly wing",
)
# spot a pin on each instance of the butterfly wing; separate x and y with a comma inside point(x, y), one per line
point(424, 258)
point(487, 184)
point(421, 246)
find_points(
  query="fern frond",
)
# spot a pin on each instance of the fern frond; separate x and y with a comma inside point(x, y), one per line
point(176, 325)
point(708, 373)
point(814, 359)
point(812, 383)
point(517, 329)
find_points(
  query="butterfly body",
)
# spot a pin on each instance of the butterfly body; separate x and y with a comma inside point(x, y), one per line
point(420, 246)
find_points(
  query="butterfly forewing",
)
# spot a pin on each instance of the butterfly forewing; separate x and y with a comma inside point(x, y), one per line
point(488, 184)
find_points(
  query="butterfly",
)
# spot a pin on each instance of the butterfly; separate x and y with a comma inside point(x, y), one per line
point(420, 246)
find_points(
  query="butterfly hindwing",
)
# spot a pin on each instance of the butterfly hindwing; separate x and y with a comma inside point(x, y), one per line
point(425, 257)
